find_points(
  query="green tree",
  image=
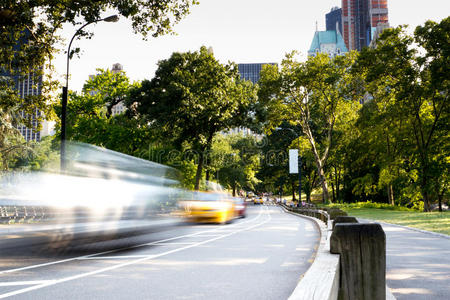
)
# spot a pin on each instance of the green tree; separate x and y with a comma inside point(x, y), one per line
point(414, 83)
point(311, 95)
point(29, 35)
point(90, 119)
point(38, 156)
point(111, 88)
point(191, 98)
point(12, 144)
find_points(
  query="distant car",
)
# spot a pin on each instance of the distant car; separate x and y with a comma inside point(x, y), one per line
point(208, 207)
point(240, 207)
point(258, 200)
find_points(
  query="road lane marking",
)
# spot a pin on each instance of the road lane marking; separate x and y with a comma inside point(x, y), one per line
point(169, 244)
point(121, 249)
point(35, 282)
point(207, 235)
point(113, 257)
point(70, 278)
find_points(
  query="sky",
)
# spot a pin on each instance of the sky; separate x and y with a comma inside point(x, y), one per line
point(242, 31)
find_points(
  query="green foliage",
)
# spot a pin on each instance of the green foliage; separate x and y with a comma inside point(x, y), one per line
point(405, 127)
point(29, 38)
point(360, 205)
point(191, 98)
point(313, 95)
point(43, 155)
point(235, 159)
point(431, 221)
point(108, 88)
point(90, 119)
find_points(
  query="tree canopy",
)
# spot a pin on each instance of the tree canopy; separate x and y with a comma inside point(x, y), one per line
point(191, 98)
point(29, 39)
point(312, 95)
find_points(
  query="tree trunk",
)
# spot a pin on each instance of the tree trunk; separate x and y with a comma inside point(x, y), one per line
point(198, 175)
point(426, 202)
point(424, 188)
point(391, 194)
point(207, 175)
point(440, 197)
point(332, 188)
point(440, 202)
point(337, 177)
point(323, 182)
point(321, 173)
point(308, 197)
point(234, 189)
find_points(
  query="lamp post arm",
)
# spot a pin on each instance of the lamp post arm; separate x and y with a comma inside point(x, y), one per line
point(65, 92)
point(70, 45)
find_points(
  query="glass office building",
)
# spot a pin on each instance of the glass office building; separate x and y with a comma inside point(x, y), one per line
point(360, 18)
point(333, 20)
point(28, 85)
point(252, 71)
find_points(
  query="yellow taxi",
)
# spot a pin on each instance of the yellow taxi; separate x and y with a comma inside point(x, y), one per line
point(258, 200)
point(208, 207)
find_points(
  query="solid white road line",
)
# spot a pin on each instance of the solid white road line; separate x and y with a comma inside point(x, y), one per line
point(120, 249)
point(112, 257)
point(170, 244)
point(207, 235)
point(14, 283)
point(57, 281)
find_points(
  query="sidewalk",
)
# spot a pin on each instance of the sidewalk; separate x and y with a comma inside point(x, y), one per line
point(418, 264)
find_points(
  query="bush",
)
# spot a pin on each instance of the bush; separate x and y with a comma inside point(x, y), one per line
point(372, 205)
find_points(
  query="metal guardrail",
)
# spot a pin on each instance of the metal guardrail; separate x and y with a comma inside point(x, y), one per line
point(13, 214)
point(315, 213)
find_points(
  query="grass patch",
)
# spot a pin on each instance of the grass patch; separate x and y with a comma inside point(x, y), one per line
point(369, 205)
point(431, 221)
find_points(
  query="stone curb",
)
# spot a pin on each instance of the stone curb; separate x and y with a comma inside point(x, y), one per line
point(325, 268)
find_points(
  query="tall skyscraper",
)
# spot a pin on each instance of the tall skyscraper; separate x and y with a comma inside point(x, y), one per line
point(29, 85)
point(333, 20)
point(360, 18)
point(251, 71)
point(378, 11)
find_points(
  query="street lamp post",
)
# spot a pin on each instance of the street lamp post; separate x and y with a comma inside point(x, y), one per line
point(299, 164)
point(65, 89)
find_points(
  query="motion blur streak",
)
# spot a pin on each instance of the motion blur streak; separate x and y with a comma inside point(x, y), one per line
point(102, 193)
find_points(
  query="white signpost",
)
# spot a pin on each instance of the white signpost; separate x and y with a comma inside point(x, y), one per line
point(293, 161)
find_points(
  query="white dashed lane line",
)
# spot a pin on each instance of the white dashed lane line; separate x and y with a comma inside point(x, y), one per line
point(47, 283)
point(121, 249)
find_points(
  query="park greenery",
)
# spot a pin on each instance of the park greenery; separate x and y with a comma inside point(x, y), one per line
point(30, 37)
point(431, 221)
point(370, 127)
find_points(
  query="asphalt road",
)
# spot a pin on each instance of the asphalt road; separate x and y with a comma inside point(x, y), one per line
point(260, 257)
point(417, 264)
